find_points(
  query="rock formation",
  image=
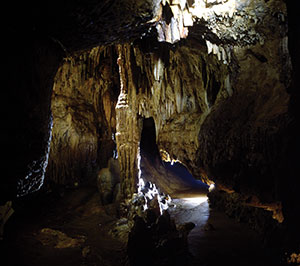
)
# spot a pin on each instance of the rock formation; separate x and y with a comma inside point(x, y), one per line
point(83, 108)
point(219, 101)
point(218, 78)
point(109, 182)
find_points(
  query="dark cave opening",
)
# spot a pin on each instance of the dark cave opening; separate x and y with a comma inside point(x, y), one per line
point(148, 139)
point(179, 169)
point(171, 177)
point(208, 228)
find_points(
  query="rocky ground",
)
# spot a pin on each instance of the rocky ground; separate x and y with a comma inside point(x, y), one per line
point(70, 227)
point(217, 239)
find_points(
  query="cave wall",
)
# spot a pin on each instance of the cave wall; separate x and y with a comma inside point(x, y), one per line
point(290, 194)
point(84, 96)
point(247, 152)
point(72, 26)
point(26, 118)
point(155, 86)
point(38, 36)
point(224, 121)
point(80, 25)
point(223, 100)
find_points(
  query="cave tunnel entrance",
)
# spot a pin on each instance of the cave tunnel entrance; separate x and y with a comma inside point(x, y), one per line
point(148, 139)
point(171, 177)
point(211, 228)
point(197, 186)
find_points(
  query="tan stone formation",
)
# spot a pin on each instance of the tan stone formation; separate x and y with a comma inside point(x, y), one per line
point(127, 130)
point(234, 20)
point(219, 107)
point(215, 75)
point(108, 182)
point(83, 104)
point(157, 98)
point(211, 115)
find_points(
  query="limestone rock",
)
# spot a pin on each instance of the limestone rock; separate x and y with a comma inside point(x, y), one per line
point(190, 99)
point(105, 185)
point(83, 107)
point(66, 28)
point(107, 181)
point(294, 259)
point(208, 114)
point(86, 251)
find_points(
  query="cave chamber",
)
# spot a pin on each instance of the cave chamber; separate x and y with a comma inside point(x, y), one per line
point(150, 133)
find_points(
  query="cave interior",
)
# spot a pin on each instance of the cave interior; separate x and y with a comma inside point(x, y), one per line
point(155, 132)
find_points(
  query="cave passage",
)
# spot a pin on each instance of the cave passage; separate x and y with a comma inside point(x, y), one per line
point(215, 238)
point(148, 139)
point(178, 169)
point(172, 178)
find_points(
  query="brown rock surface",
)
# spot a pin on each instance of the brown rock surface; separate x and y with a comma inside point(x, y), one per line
point(83, 107)
point(211, 116)
point(220, 109)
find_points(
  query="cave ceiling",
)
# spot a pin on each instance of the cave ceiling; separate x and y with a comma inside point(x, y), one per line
point(77, 25)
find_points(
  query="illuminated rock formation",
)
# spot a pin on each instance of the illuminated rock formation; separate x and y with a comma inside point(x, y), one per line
point(83, 108)
point(215, 76)
point(219, 103)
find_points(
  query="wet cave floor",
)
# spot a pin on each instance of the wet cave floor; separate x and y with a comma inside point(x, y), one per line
point(218, 239)
point(74, 229)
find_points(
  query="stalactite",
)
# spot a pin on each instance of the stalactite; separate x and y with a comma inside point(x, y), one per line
point(183, 87)
point(83, 116)
point(170, 95)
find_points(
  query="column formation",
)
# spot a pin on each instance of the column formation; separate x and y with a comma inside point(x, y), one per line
point(127, 130)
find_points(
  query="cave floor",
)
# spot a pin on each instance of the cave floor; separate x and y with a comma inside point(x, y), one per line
point(74, 230)
point(218, 239)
